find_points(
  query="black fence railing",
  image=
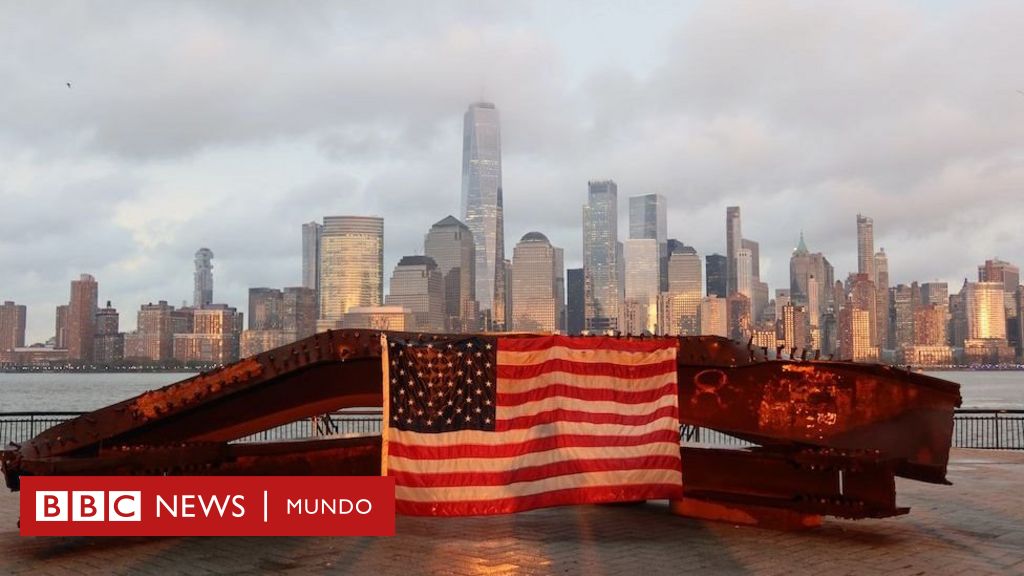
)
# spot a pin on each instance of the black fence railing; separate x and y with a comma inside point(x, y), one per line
point(972, 428)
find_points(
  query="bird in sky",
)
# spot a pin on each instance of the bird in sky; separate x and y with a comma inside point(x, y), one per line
point(69, 84)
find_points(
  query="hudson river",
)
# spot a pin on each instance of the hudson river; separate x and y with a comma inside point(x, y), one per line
point(75, 392)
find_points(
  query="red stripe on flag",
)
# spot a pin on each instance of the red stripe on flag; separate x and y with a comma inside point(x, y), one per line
point(587, 369)
point(590, 394)
point(566, 415)
point(539, 343)
point(400, 450)
point(531, 473)
point(589, 495)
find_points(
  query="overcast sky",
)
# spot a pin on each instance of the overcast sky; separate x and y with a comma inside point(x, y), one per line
point(229, 124)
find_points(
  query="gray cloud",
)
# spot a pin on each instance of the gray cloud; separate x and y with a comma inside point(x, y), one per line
point(229, 124)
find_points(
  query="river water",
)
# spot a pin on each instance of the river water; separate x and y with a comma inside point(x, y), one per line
point(59, 391)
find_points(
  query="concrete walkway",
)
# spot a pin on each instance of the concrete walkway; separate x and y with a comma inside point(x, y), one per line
point(973, 527)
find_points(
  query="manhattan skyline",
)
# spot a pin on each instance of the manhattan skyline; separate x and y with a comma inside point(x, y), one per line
point(125, 175)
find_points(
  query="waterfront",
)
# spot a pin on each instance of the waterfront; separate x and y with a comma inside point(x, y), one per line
point(78, 392)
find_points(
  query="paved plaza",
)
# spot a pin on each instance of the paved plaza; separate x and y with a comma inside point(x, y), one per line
point(975, 526)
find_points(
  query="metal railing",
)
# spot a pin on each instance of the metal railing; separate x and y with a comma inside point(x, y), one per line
point(972, 428)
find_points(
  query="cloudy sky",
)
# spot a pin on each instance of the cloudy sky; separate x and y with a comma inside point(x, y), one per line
point(229, 124)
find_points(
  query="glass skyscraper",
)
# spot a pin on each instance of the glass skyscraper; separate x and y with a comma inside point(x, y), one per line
point(602, 281)
point(351, 264)
point(202, 294)
point(482, 205)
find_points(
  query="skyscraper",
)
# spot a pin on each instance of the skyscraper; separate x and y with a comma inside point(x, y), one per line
point(351, 264)
point(450, 243)
point(482, 209)
point(733, 243)
point(685, 289)
point(82, 318)
point(714, 316)
point(648, 220)
point(866, 247)
point(601, 256)
point(536, 274)
point(108, 345)
point(299, 312)
point(265, 306)
point(311, 232)
point(643, 284)
point(60, 335)
point(12, 326)
point(881, 263)
point(202, 294)
point(717, 275)
point(418, 285)
point(575, 307)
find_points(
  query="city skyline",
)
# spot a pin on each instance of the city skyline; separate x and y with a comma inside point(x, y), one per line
point(124, 175)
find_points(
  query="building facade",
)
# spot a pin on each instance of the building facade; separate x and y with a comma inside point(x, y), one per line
point(351, 264)
point(417, 284)
point(601, 257)
point(12, 325)
point(82, 318)
point(450, 243)
point(311, 232)
point(202, 291)
point(483, 207)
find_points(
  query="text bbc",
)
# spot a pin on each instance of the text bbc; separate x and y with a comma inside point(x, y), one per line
point(89, 506)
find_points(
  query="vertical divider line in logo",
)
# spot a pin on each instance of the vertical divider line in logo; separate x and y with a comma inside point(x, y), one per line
point(264, 506)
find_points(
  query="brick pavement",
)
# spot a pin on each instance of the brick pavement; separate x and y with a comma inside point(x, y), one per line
point(973, 527)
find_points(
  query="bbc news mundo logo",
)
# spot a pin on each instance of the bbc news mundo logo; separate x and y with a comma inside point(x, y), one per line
point(207, 506)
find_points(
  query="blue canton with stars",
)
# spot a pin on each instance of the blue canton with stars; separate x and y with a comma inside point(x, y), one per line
point(442, 384)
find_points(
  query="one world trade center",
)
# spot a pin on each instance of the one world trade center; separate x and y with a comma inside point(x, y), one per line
point(482, 207)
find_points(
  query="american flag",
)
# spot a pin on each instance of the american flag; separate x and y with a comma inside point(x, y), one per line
point(482, 425)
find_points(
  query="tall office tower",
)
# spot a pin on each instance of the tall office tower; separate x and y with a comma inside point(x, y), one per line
point(738, 309)
point(482, 209)
point(536, 290)
point(450, 243)
point(351, 264)
point(643, 284)
point(647, 219)
point(265, 309)
point(202, 293)
point(866, 247)
point(12, 326)
point(714, 316)
point(755, 257)
point(82, 318)
point(311, 232)
point(733, 243)
point(601, 256)
point(881, 264)
point(685, 289)
point(957, 319)
point(758, 289)
point(863, 303)
point(417, 284)
point(575, 307)
point(904, 315)
point(985, 312)
point(813, 312)
point(744, 273)
point(60, 335)
point(782, 297)
point(717, 275)
point(1008, 275)
point(795, 325)
point(108, 345)
point(802, 265)
point(299, 311)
